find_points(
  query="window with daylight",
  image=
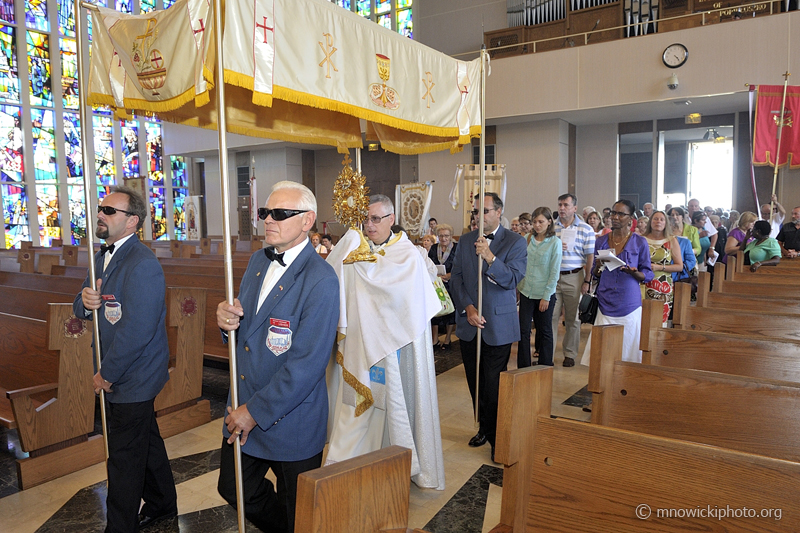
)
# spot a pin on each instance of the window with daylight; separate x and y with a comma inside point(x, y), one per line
point(391, 14)
point(7, 11)
point(130, 149)
point(104, 149)
point(363, 8)
point(15, 216)
point(9, 75)
point(404, 24)
point(69, 73)
point(180, 182)
point(44, 145)
point(36, 15)
point(66, 18)
point(125, 6)
point(74, 158)
point(147, 6)
point(155, 172)
point(11, 144)
point(39, 69)
point(49, 218)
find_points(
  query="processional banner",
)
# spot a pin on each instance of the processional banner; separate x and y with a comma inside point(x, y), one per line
point(413, 201)
point(299, 78)
point(768, 118)
point(496, 181)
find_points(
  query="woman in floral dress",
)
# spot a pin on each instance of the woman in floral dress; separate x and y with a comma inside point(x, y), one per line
point(663, 262)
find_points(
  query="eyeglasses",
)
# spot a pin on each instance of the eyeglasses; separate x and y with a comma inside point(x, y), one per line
point(485, 211)
point(110, 211)
point(279, 214)
point(375, 219)
point(619, 214)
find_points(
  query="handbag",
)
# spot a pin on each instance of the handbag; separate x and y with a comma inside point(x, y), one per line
point(587, 309)
point(444, 298)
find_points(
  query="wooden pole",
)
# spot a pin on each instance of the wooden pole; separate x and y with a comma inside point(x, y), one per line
point(226, 241)
point(778, 150)
point(480, 227)
point(88, 187)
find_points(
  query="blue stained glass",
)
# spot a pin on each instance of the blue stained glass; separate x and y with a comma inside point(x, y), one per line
point(72, 148)
point(7, 11)
point(404, 23)
point(11, 144)
point(39, 69)
point(363, 8)
point(15, 214)
point(147, 6)
point(157, 214)
point(44, 144)
point(383, 6)
point(179, 173)
point(9, 73)
point(125, 6)
point(66, 18)
point(343, 3)
point(179, 213)
point(385, 21)
point(130, 148)
point(155, 169)
point(77, 213)
point(69, 73)
point(49, 217)
point(168, 3)
point(104, 150)
point(36, 15)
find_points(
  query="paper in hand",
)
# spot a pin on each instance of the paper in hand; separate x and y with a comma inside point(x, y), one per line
point(610, 260)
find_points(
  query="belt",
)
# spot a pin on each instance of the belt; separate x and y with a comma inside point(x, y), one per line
point(573, 271)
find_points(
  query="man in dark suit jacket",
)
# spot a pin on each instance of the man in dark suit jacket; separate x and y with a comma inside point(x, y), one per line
point(130, 299)
point(504, 257)
point(286, 317)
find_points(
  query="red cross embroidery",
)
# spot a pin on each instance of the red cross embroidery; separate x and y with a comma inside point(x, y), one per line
point(265, 28)
point(202, 28)
point(156, 59)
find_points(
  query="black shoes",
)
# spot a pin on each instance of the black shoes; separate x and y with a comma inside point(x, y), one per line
point(478, 440)
point(147, 521)
point(569, 361)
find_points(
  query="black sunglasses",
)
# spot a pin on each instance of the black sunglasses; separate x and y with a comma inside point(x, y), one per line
point(110, 211)
point(279, 214)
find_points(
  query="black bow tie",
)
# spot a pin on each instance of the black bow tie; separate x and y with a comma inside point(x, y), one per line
point(273, 256)
point(489, 237)
point(104, 249)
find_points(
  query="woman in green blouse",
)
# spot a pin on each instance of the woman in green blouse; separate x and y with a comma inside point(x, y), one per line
point(763, 250)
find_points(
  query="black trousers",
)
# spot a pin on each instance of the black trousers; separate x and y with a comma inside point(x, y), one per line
point(494, 359)
point(543, 321)
point(266, 510)
point(138, 467)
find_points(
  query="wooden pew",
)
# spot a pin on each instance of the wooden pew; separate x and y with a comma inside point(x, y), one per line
point(26, 257)
point(766, 289)
point(70, 255)
point(587, 477)
point(736, 412)
point(365, 494)
point(726, 300)
point(46, 262)
point(48, 399)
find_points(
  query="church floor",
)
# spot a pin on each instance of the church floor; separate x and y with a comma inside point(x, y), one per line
point(469, 504)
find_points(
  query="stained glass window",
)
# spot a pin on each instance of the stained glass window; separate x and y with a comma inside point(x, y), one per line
point(66, 18)
point(404, 24)
point(104, 150)
point(130, 148)
point(362, 8)
point(69, 73)
point(9, 75)
point(168, 3)
point(7, 11)
point(125, 6)
point(155, 170)
point(72, 148)
point(385, 21)
point(44, 144)
point(49, 218)
point(15, 214)
point(383, 6)
point(179, 213)
point(343, 3)
point(39, 69)
point(77, 213)
point(403, 3)
point(11, 143)
point(157, 214)
point(147, 6)
point(179, 174)
point(36, 15)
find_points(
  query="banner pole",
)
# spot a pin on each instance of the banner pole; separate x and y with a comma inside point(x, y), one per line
point(480, 227)
point(86, 154)
point(778, 150)
point(226, 241)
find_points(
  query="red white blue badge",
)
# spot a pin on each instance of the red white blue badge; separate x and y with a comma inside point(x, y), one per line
point(113, 312)
point(279, 336)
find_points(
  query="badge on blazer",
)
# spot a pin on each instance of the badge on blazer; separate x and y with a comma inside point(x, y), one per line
point(279, 336)
point(113, 311)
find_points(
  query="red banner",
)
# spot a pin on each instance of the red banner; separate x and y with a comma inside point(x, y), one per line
point(765, 136)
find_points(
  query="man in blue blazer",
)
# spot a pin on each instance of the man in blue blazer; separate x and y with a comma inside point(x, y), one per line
point(504, 257)
point(285, 317)
point(130, 299)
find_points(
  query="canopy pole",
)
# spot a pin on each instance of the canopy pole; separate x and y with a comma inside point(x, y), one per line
point(86, 154)
point(778, 149)
point(480, 227)
point(226, 241)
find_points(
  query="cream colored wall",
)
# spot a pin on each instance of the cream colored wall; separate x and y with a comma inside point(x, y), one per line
point(596, 165)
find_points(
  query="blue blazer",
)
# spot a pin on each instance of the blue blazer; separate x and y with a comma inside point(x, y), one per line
point(283, 383)
point(133, 334)
point(499, 286)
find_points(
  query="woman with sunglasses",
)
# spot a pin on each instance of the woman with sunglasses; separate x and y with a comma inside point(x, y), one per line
point(618, 291)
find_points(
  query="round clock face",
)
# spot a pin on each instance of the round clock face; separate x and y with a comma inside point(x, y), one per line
point(675, 55)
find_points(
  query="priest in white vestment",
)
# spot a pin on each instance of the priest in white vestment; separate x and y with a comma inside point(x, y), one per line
point(382, 381)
